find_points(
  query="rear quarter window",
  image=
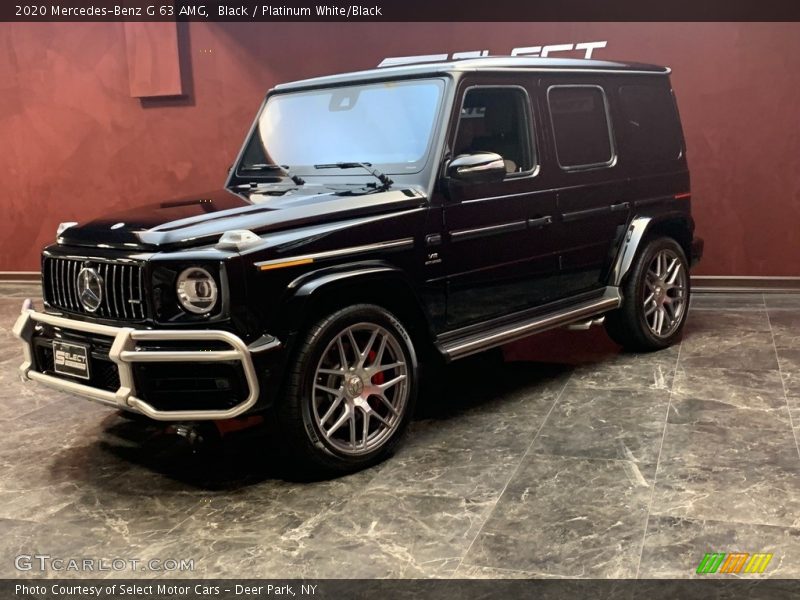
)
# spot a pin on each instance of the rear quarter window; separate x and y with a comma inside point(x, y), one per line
point(652, 131)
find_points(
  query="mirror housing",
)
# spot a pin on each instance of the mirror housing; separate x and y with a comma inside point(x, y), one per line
point(480, 167)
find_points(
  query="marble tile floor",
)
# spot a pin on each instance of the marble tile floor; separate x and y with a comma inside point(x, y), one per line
point(559, 457)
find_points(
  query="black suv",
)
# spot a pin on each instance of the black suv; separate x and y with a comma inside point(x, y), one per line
point(373, 222)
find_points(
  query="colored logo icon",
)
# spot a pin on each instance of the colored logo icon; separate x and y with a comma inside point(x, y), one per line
point(733, 562)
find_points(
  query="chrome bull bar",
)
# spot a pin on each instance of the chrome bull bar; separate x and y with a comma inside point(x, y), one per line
point(124, 353)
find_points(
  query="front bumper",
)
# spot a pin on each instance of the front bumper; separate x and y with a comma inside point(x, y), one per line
point(125, 353)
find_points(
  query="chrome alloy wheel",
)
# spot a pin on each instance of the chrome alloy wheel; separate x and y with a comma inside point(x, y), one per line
point(665, 286)
point(361, 389)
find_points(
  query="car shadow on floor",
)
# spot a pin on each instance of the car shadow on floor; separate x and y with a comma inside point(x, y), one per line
point(199, 457)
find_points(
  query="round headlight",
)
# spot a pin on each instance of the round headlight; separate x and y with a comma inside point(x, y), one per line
point(197, 290)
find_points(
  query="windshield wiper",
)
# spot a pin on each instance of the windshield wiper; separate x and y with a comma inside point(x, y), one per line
point(284, 169)
point(385, 181)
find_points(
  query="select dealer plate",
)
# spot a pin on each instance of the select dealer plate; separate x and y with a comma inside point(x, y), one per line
point(71, 359)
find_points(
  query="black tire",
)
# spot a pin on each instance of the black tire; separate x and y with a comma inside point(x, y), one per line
point(629, 325)
point(297, 412)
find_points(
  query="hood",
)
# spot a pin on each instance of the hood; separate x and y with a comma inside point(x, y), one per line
point(200, 220)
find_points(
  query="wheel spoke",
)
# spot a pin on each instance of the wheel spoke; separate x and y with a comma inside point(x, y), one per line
point(363, 355)
point(669, 309)
point(392, 382)
point(383, 368)
point(672, 273)
point(380, 352)
point(331, 391)
point(347, 414)
point(387, 404)
point(329, 413)
point(335, 372)
point(380, 418)
point(365, 428)
point(353, 429)
point(353, 343)
point(342, 355)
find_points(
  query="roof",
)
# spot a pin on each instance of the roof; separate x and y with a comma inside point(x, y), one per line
point(491, 63)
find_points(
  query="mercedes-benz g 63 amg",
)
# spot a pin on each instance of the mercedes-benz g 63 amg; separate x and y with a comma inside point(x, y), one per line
point(372, 221)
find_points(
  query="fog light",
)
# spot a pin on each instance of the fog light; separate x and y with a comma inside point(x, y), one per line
point(197, 290)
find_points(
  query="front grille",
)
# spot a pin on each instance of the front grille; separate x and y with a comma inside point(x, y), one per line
point(123, 288)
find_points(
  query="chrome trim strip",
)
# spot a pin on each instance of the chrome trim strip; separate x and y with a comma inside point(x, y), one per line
point(468, 234)
point(124, 353)
point(540, 222)
point(394, 244)
point(611, 299)
point(528, 193)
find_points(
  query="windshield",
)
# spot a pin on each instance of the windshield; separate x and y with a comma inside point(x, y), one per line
point(387, 124)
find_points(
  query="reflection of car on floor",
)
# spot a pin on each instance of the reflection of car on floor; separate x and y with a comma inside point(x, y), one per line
point(372, 223)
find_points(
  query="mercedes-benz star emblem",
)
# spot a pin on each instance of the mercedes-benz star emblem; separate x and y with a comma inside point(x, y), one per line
point(90, 289)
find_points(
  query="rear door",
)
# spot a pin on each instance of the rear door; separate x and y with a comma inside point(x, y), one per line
point(592, 191)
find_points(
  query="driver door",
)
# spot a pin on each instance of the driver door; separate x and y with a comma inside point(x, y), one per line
point(499, 250)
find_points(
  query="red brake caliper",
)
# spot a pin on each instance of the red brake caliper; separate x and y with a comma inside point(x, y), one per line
point(377, 379)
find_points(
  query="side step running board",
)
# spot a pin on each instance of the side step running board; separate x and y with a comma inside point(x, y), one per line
point(459, 348)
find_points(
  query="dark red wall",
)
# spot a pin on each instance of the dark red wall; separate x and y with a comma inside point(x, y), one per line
point(75, 144)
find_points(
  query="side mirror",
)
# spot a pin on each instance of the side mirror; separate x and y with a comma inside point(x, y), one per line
point(481, 167)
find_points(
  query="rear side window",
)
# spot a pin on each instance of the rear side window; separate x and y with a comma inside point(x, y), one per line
point(652, 128)
point(581, 126)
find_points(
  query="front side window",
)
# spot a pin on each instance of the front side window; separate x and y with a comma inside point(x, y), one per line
point(387, 124)
point(496, 120)
point(581, 126)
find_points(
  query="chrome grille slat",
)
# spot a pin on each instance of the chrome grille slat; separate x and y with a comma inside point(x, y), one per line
point(140, 295)
point(130, 287)
point(68, 284)
point(113, 269)
point(76, 268)
point(72, 284)
point(50, 293)
point(106, 292)
point(124, 300)
point(62, 283)
point(123, 287)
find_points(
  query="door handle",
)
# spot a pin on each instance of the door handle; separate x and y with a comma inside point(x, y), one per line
point(620, 207)
point(540, 222)
point(433, 239)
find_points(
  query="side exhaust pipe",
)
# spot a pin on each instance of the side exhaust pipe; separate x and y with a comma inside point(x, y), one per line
point(584, 325)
